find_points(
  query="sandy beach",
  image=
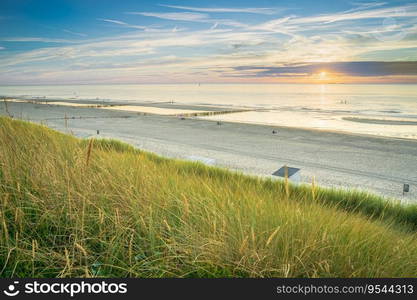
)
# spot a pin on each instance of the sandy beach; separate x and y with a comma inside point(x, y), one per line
point(153, 110)
point(377, 164)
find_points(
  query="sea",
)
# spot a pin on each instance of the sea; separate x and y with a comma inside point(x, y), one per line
point(388, 110)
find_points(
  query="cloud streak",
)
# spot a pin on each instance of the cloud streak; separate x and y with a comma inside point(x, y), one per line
point(380, 13)
point(364, 13)
point(75, 33)
point(249, 10)
point(176, 16)
point(359, 68)
point(124, 24)
point(37, 39)
point(189, 17)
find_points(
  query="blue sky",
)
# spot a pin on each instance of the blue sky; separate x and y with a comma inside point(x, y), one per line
point(73, 41)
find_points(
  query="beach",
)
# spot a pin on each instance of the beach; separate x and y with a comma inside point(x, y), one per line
point(333, 159)
point(387, 110)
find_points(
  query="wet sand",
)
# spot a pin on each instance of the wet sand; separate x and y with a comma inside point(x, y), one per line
point(381, 121)
point(157, 108)
point(349, 124)
point(377, 164)
point(153, 110)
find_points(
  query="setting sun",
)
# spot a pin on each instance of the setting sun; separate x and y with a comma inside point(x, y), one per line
point(323, 75)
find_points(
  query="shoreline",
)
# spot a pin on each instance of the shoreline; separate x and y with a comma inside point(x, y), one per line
point(204, 112)
point(385, 121)
point(156, 108)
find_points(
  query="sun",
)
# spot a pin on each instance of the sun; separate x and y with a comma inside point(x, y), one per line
point(323, 75)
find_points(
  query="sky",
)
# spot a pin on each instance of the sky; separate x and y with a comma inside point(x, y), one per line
point(117, 42)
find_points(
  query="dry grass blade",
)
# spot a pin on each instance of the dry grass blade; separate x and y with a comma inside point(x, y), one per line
point(89, 150)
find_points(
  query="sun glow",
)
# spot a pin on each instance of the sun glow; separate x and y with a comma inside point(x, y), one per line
point(324, 76)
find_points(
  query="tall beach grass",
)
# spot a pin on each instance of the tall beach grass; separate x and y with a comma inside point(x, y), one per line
point(84, 208)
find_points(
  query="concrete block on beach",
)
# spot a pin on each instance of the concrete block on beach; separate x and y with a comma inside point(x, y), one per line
point(204, 160)
point(292, 173)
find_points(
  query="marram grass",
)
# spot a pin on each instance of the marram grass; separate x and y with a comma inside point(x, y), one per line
point(77, 208)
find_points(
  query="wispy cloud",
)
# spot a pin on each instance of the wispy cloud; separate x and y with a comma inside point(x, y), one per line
point(176, 16)
point(178, 29)
point(260, 10)
point(190, 17)
point(75, 33)
point(215, 25)
point(37, 39)
point(355, 68)
point(365, 5)
point(366, 17)
point(118, 22)
point(363, 12)
point(113, 21)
